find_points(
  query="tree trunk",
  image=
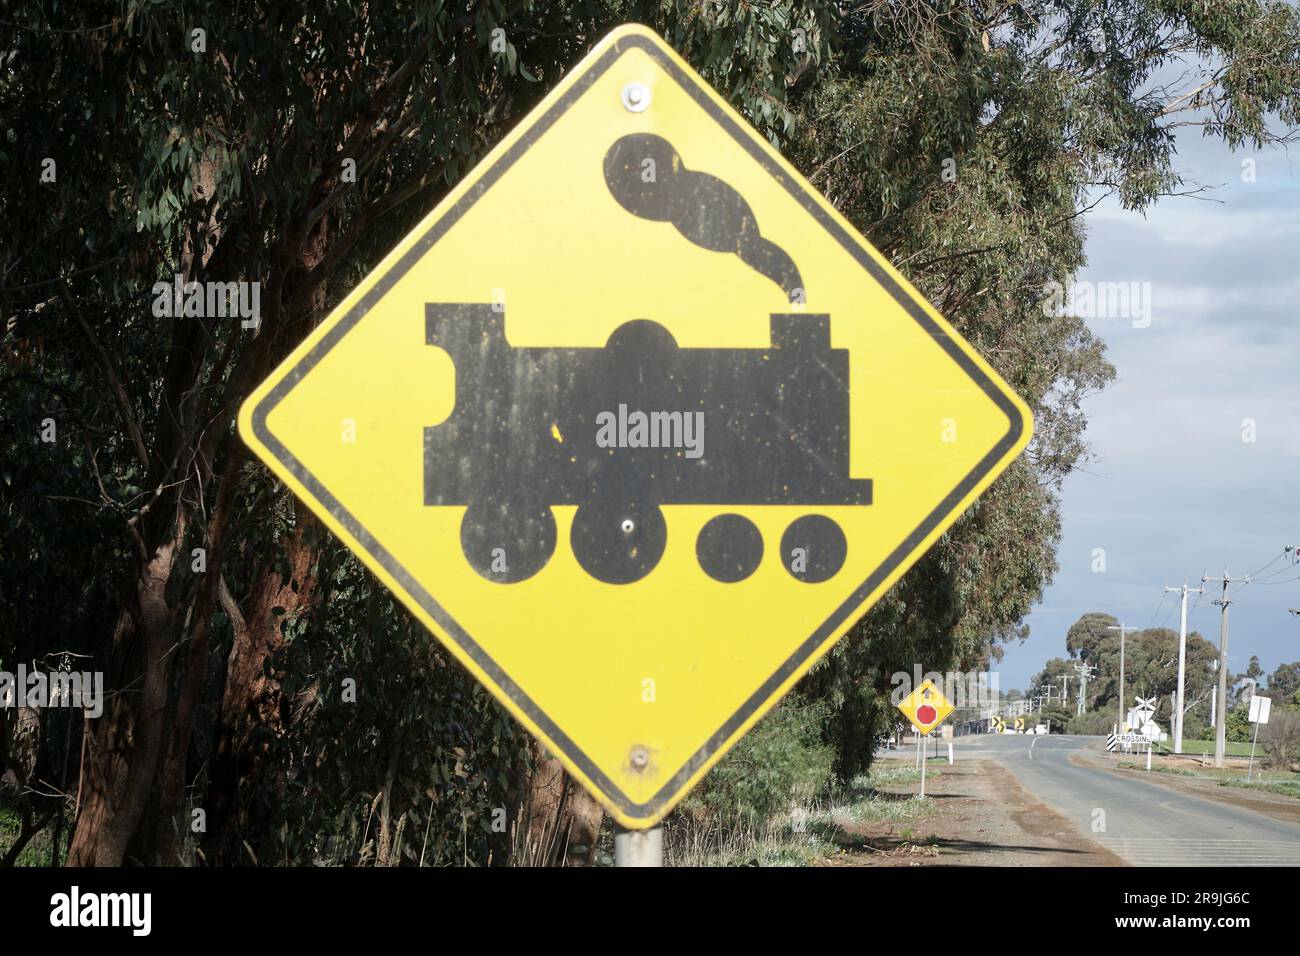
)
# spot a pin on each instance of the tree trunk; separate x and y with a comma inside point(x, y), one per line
point(560, 821)
point(134, 783)
point(124, 749)
point(252, 697)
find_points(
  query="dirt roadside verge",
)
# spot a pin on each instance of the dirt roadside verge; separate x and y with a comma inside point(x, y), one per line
point(982, 817)
point(1275, 805)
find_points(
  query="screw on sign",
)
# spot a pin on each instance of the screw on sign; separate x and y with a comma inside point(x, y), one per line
point(640, 476)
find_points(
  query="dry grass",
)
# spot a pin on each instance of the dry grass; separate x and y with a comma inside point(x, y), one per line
point(802, 835)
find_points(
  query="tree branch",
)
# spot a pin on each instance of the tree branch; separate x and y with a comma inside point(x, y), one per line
point(124, 406)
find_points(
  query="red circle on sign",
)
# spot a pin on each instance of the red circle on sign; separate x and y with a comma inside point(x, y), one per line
point(925, 714)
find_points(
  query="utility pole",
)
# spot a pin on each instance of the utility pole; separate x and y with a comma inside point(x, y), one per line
point(1084, 671)
point(1182, 662)
point(1221, 722)
point(1065, 689)
point(1123, 631)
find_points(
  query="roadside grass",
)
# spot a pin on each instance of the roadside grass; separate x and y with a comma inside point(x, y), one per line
point(689, 842)
point(1286, 784)
point(1205, 748)
point(866, 799)
point(870, 798)
point(36, 853)
point(805, 834)
point(1287, 787)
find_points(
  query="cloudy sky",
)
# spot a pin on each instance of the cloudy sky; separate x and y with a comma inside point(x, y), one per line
point(1175, 491)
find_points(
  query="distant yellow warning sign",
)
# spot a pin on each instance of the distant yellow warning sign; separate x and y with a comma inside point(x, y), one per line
point(926, 707)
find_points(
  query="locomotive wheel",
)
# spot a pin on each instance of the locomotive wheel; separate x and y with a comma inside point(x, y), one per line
point(618, 545)
point(813, 549)
point(507, 543)
point(729, 548)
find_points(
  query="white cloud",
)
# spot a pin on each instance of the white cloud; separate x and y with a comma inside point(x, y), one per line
point(1176, 491)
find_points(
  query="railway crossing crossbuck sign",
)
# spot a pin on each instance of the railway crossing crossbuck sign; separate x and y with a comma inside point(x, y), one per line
point(636, 424)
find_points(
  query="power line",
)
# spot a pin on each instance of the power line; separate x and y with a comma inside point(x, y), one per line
point(1163, 597)
point(1286, 568)
point(1169, 613)
point(1278, 557)
point(1284, 581)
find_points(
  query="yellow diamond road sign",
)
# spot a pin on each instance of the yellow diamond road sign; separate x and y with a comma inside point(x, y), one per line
point(926, 707)
point(636, 424)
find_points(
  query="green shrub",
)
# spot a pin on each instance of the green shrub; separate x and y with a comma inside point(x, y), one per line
point(780, 763)
point(1239, 726)
point(1196, 728)
point(1093, 723)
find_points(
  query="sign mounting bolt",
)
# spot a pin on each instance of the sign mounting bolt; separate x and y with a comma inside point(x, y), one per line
point(636, 97)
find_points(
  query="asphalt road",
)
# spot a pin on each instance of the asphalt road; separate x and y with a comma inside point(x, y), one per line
point(1145, 823)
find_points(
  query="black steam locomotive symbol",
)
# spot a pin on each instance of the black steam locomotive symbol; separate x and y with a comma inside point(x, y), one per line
point(523, 437)
point(771, 425)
